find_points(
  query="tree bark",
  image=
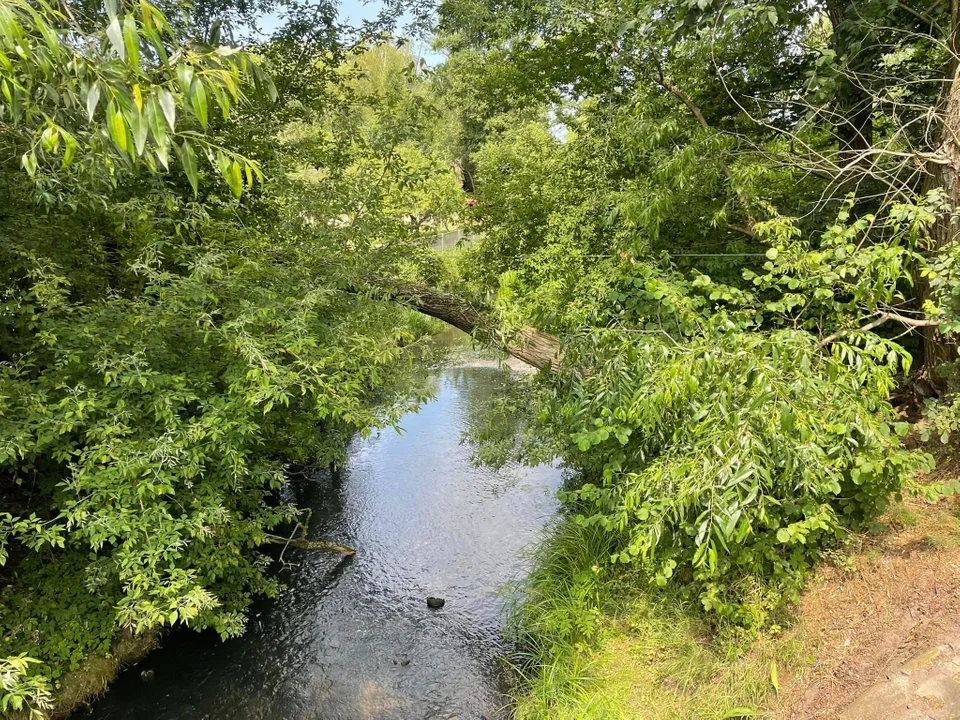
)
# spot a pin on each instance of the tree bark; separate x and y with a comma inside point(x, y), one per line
point(535, 347)
point(305, 544)
point(937, 347)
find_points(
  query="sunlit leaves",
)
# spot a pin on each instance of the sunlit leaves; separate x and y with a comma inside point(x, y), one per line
point(737, 444)
point(121, 83)
point(20, 689)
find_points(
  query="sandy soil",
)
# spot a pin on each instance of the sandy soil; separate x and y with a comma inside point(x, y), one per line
point(864, 616)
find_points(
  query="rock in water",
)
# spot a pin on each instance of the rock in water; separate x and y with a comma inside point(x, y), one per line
point(435, 603)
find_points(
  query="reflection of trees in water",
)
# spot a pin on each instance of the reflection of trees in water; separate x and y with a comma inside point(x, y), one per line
point(494, 401)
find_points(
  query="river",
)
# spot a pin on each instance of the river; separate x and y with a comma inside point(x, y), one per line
point(354, 639)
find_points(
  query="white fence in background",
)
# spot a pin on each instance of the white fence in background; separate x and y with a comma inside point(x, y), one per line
point(450, 240)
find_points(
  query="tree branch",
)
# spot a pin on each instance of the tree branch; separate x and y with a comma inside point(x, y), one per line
point(881, 319)
point(724, 167)
point(305, 544)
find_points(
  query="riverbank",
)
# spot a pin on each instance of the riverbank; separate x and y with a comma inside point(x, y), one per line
point(94, 676)
point(627, 654)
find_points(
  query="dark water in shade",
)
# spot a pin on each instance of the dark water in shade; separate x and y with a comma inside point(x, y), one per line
point(424, 522)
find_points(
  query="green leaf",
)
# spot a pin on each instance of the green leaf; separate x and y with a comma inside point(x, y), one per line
point(115, 35)
point(138, 125)
point(223, 164)
point(131, 40)
point(185, 76)
point(155, 121)
point(50, 139)
point(29, 162)
point(774, 677)
point(169, 107)
point(235, 179)
point(198, 99)
point(188, 158)
point(163, 155)
point(117, 127)
point(69, 148)
point(93, 97)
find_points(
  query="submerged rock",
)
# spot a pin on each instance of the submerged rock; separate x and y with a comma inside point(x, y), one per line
point(435, 603)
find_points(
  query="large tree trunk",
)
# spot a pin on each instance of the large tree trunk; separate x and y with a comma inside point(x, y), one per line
point(945, 174)
point(533, 346)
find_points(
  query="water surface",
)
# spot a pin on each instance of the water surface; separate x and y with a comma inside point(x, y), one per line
point(354, 639)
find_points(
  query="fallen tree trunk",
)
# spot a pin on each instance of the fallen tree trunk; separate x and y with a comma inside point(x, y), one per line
point(535, 347)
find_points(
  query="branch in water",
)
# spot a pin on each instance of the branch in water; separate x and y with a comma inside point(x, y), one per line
point(304, 544)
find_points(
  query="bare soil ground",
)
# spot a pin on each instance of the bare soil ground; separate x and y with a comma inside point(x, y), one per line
point(895, 595)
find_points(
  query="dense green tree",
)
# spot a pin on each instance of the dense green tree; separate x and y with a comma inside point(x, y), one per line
point(695, 197)
point(181, 242)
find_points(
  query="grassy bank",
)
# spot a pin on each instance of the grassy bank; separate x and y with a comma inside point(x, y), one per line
point(601, 645)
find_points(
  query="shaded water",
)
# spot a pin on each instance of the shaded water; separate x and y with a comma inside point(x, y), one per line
point(354, 639)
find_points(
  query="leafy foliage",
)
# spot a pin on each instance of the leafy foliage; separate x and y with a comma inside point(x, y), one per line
point(171, 344)
point(115, 97)
point(730, 456)
point(21, 690)
point(712, 206)
point(714, 448)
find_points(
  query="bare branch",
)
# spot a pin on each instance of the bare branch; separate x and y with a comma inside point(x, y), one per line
point(880, 320)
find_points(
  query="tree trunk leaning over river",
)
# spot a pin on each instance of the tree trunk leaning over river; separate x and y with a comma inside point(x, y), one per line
point(535, 347)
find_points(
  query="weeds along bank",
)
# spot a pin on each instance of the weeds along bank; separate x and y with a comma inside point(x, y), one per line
point(599, 642)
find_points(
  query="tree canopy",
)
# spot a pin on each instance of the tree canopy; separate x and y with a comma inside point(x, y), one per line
point(181, 240)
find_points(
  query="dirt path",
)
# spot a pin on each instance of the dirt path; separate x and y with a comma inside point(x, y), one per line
point(883, 623)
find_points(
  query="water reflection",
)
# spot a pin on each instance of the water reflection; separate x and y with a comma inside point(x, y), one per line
point(354, 640)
